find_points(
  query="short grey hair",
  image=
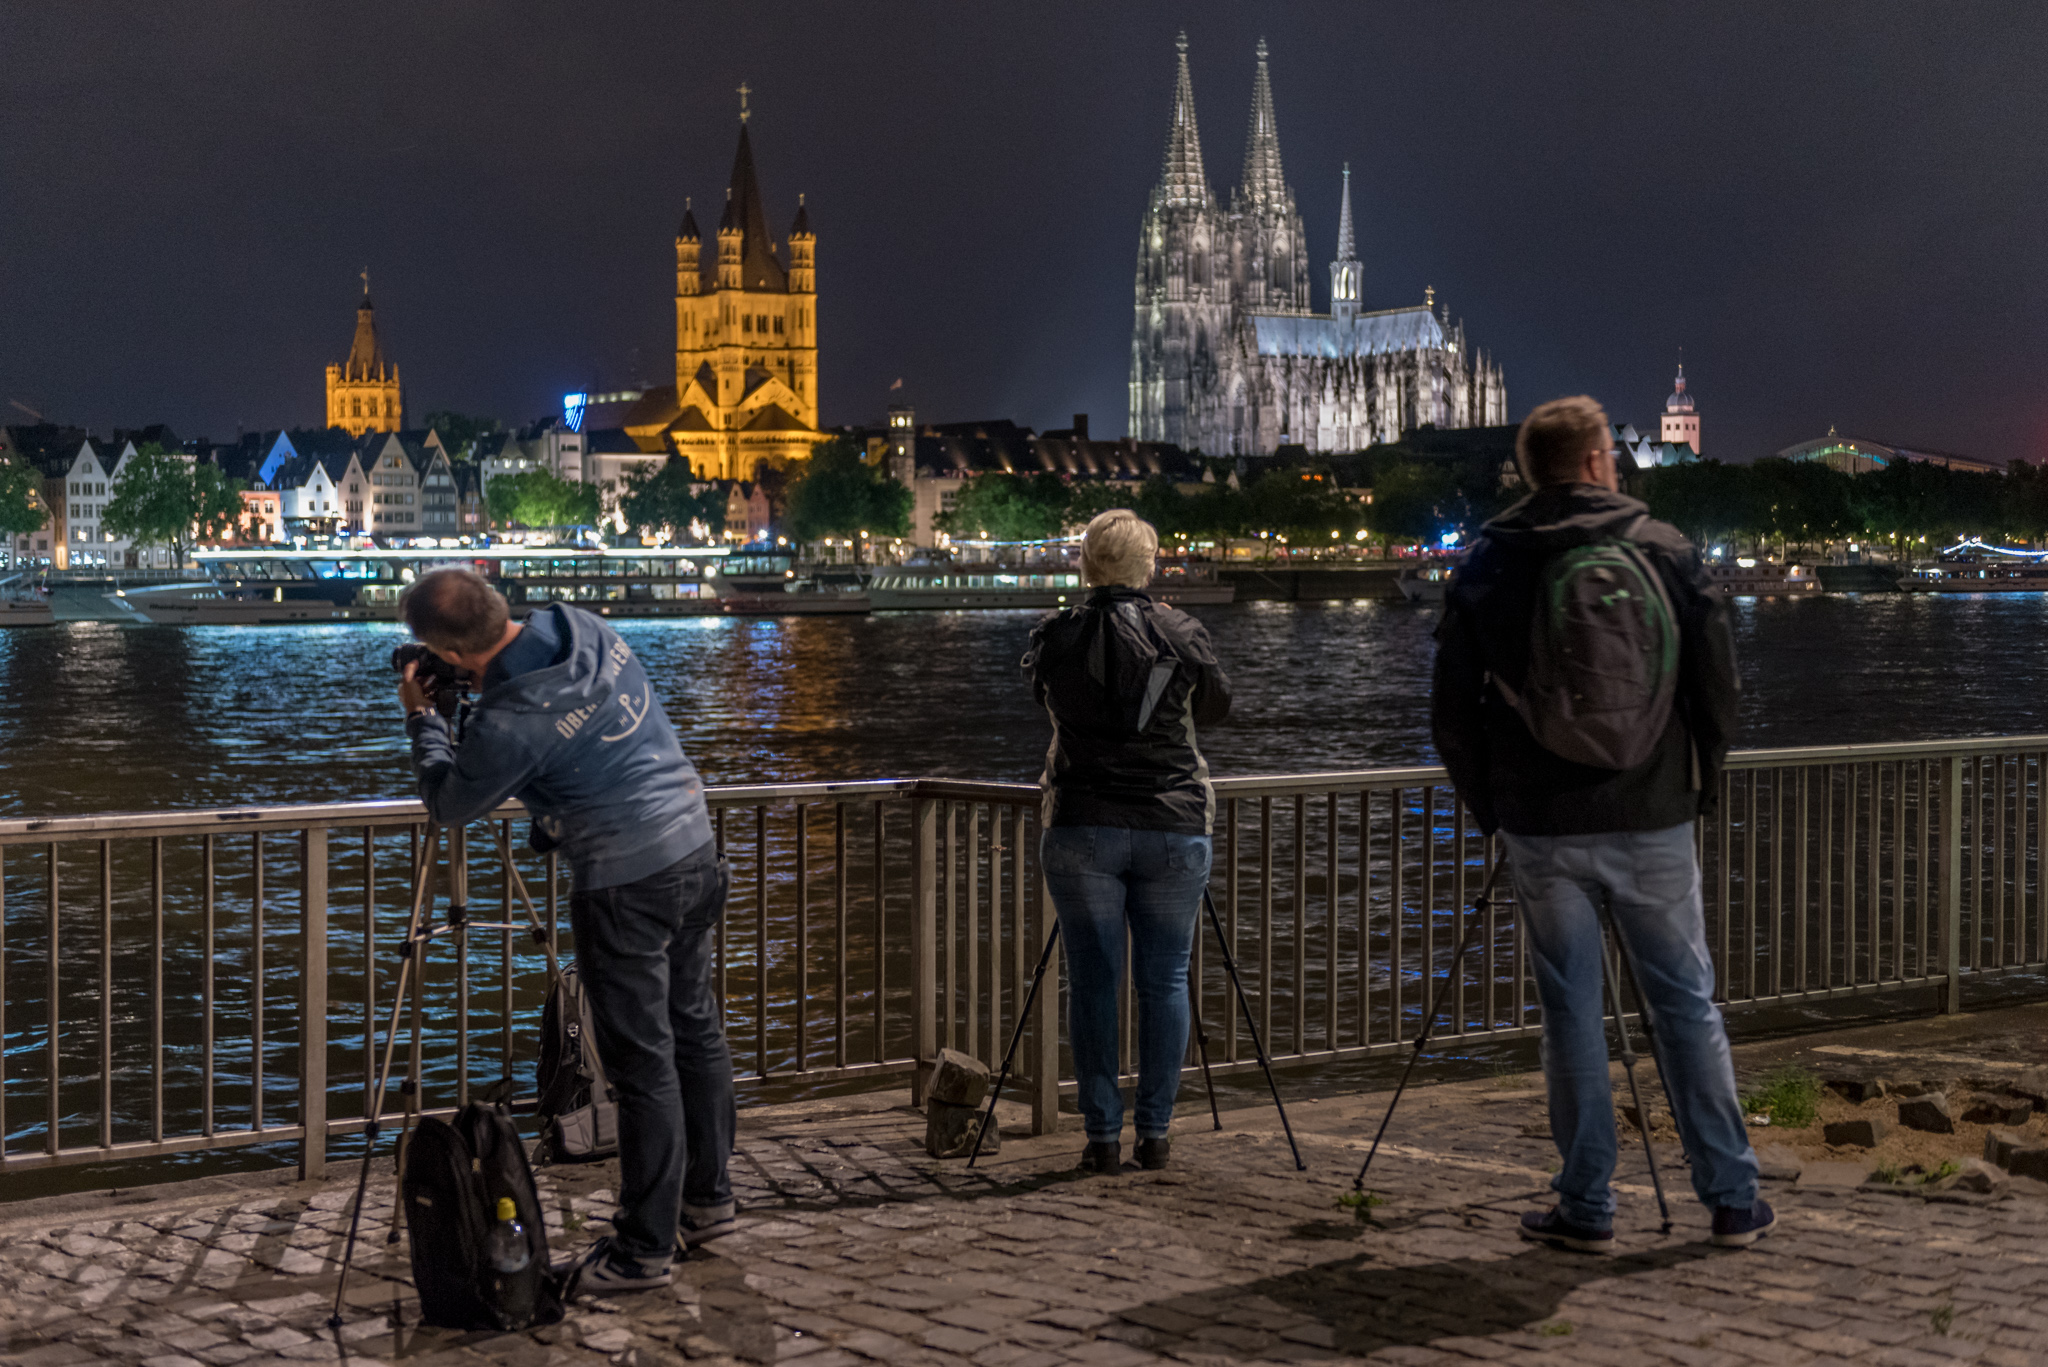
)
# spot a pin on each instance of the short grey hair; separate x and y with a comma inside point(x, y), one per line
point(1118, 548)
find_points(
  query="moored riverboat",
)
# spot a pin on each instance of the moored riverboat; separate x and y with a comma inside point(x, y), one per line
point(1749, 578)
point(1425, 582)
point(1976, 576)
point(958, 587)
point(23, 605)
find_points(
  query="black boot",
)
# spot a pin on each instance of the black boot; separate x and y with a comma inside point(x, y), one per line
point(1102, 1159)
point(1152, 1153)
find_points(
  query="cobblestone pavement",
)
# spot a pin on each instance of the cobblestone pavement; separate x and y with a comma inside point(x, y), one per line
point(854, 1248)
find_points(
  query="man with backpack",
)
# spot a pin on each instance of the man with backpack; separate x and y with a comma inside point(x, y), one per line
point(1584, 698)
point(566, 720)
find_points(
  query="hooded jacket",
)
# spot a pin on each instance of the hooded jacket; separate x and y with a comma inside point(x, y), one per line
point(585, 745)
point(1508, 780)
point(1126, 680)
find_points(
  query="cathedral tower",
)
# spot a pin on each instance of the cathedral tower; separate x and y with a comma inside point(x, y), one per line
point(746, 370)
point(362, 392)
point(1681, 422)
point(1269, 255)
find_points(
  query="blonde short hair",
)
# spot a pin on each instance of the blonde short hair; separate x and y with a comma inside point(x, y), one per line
point(1119, 547)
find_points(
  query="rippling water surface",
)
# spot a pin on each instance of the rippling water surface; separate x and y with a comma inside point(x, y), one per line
point(97, 717)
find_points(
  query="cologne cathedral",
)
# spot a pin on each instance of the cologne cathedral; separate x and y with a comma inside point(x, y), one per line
point(1227, 356)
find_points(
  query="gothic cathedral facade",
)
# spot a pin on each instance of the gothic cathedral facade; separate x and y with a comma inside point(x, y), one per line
point(1227, 356)
point(746, 377)
point(362, 392)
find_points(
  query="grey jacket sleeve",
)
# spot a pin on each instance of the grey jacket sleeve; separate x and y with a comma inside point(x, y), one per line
point(460, 784)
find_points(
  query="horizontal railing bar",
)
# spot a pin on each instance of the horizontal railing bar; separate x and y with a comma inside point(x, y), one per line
point(1893, 750)
point(152, 1148)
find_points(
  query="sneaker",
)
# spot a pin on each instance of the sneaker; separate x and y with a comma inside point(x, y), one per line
point(1102, 1158)
point(1548, 1227)
point(1152, 1153)
point(598, 1273)
point(1735, 1227)
point(704, 1228)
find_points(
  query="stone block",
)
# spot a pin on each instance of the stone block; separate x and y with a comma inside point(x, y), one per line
point(1930, 1113)
point(1990, 1108)
point(949, 1130)
point(1777, 1163)
point(1857, 1090)
point(1864, 1132)
point(2000, 1145)
point(2032, 1163)
point(958, 1079)
point(1976, 1176)
point(1930, 1086)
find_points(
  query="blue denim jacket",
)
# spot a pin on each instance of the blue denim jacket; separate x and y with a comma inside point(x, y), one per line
point(586, 746)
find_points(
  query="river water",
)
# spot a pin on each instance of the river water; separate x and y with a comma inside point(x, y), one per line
point(97, 717)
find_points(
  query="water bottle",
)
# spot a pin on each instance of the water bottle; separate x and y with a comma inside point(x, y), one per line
point(507, 1249)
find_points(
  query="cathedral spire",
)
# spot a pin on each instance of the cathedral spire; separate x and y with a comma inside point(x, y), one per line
point(1181, 180)
point(1344, 271)
point(1264, 183)
point(1346, 249)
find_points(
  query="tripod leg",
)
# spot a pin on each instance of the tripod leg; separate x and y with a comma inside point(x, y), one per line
point(995, 1093)
point(1202, 1042)
point(422, 883)
point(1472, 930)
point(1258, 1046)
point(1628, 1066)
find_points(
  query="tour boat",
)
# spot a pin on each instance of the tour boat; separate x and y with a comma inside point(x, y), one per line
point(1976, 576)
point(274, 585)
point(1748, 578)
point(956, 587)
point(28, 610)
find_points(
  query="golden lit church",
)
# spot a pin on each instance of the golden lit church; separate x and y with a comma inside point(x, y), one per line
point(362, 392)
point(746, 385)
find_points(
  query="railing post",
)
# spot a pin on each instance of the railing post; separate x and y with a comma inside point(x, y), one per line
point(1952, 883)
point(313, 1001)
point(924, 944)
point(1045, 1029)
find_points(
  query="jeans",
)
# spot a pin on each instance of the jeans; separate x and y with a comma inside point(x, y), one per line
point(645, 952)
point(1107, 880)
point(1652, 883)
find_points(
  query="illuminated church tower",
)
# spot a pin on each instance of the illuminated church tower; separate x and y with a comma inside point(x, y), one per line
point(362, 393)
point(746, 340)
point(1681, 418)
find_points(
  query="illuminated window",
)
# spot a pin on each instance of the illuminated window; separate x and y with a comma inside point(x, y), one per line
point(358, 408)
point(747, 323)
point(778, 325)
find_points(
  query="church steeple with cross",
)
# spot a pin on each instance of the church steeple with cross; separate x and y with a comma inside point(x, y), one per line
point(746, 385)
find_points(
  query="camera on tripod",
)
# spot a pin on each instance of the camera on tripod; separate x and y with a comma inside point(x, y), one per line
point(442, 682)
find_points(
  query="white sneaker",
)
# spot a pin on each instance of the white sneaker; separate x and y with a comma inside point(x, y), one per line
point(598, 1273)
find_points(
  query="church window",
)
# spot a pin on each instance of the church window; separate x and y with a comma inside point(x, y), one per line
point(747, 323)
point(358, 408)
point(778, 325)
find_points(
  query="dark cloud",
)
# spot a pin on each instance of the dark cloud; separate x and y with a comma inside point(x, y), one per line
point(1835, 209)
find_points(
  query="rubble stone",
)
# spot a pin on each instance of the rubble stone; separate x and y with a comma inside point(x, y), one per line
point(1976, 1176)
point(1857, 1090)
point(949, 1130)
point(1989, 1108)
point(1777, 1163)
point(1864, 1132)
point(1928, 1113)
point(959, 1079)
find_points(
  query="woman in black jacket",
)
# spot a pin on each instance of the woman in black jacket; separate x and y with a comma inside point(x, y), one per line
point(1127, 815)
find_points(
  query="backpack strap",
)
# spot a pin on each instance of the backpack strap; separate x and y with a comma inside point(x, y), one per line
point(588, 1061)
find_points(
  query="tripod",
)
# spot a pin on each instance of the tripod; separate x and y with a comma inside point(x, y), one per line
point(1611, 984)
point(411, 968)
point(1201, 1036)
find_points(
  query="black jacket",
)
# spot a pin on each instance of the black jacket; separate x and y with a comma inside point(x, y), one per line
point(1508, 780)
point(1126, 681)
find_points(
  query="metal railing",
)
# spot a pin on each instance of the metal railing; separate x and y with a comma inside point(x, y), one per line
point(182, 982)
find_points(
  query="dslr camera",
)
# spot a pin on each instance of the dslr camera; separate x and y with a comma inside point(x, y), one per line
point(442, 682)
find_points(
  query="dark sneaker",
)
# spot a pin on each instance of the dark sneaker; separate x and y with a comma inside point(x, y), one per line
point(1735, 1227)
point(703, 1228)
point(1152, 1153)
point(1102, 1158)
point(1548, 1227)
point(597, 1273)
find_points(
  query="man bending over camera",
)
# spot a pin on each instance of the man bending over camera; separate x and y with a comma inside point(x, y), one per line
point(566, 721)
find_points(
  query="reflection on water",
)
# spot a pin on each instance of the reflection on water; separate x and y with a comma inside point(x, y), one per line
point(96, 717)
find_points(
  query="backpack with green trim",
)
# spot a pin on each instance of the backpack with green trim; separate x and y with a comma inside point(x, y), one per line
point(1603, 655)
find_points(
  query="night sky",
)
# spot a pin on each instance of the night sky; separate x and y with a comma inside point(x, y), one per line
point(1837, 210)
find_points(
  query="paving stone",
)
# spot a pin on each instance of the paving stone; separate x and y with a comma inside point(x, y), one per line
point(1930, 1112)
point(1832, 1176)
point(1863, 1132)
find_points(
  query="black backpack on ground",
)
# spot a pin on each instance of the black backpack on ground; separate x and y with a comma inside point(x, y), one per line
point(455, 1175)
point(1603, 655)
point(579, 1112)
